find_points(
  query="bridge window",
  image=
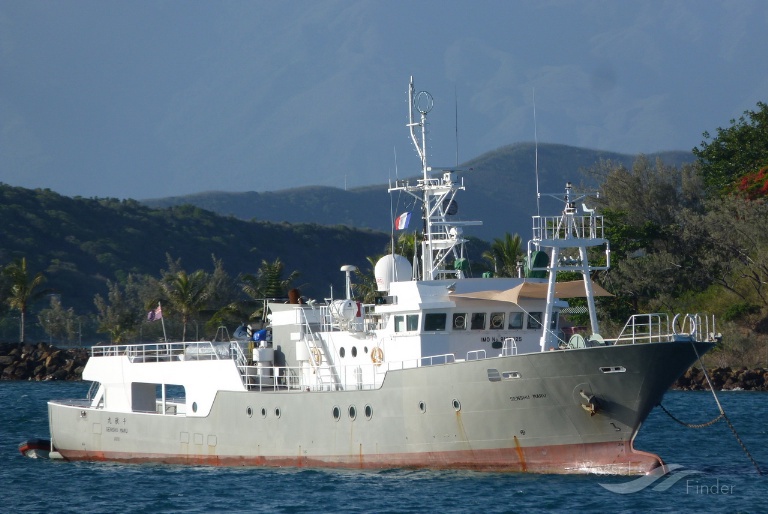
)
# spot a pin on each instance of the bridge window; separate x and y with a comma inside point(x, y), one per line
point(515, 320)
point(435, 321)
point(478, 321)
point(534, 320)
point(497, 320)
point(407, 323)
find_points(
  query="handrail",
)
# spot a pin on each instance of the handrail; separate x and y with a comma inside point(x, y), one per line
point(650, 328)
point(309, 340)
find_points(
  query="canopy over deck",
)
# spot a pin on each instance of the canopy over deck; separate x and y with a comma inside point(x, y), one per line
point(571, 289)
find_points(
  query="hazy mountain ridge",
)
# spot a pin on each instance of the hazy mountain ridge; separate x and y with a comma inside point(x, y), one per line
point(80, 243)
point(501, 191)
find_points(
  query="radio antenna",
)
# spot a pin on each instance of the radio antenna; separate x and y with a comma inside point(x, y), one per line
point(536, 153)
point(456, 122)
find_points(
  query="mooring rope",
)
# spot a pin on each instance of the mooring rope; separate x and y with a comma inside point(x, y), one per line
point(718, 418)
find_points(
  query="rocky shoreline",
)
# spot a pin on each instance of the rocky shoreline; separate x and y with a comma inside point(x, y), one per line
point(39, 362)
point(42, 361)
point(724, 379)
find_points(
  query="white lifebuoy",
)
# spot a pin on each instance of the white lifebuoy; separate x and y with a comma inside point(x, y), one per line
point(692, 319)
point(674, 324)
point(687, 319)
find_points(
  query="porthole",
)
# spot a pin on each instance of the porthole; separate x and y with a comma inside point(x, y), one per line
point(368, 411)
point(342, 352)
point(277, 412)
point(456, 405)
point(263, 412)
point(194, 406)
point(422, 407)
point(352, 412)
point(249, 411)
point(354, 351)
point(336, 413)
point(365, 349)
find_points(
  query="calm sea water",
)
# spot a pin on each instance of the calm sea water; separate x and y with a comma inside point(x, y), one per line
point(716, 475)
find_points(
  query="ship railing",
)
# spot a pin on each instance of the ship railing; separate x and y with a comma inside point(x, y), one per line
point(434, 360)
point(645, 328)
point(350, 377)
point(656, 328)
point(509, 347)
point(588, 226)
point(476, 355)
point(164, 352)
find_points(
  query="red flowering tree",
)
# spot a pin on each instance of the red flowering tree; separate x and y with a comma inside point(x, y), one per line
point(754, 185)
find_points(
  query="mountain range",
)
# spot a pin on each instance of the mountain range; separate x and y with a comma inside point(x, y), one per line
point(500, 191)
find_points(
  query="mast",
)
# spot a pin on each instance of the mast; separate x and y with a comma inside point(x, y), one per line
point(442, 242)
point(572, 231)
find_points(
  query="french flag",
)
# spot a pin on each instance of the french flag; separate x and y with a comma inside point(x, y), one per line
point(401, 222)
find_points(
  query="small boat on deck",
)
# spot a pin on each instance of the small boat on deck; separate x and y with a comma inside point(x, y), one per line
point(442, 370)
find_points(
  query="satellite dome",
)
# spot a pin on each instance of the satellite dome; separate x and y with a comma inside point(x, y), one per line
point(392, 268)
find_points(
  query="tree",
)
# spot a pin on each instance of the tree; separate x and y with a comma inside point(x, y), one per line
point(407, 243)
point(58, 323)
point(121, 312)
point(652, 263)
point(504, 255)
point(365, 287)
point(733, 246)
point(187, 294)
point(268, 282)
point(735, 151)
point(22, 289)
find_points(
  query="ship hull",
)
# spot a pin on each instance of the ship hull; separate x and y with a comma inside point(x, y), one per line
point(573, 411)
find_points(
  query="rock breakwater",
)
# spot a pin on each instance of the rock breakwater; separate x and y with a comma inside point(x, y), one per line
point(724, 379)
point(26, 361)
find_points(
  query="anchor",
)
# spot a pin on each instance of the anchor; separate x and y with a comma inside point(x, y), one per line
point(591, 405)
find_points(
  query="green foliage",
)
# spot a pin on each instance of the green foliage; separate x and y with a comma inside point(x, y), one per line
point(60, 324)
point(120, 314)
point(735, 151)
point(21, 289)
point(740, 310)
point(505, 255)
point(84, 245)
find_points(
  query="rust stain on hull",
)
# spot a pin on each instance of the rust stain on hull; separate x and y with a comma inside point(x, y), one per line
point(580, 458)
point(520, 455)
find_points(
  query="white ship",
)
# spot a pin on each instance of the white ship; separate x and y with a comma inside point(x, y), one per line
point(442, 371)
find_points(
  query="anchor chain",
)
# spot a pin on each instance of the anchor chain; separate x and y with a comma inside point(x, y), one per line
point(722, 415)
point(691, 425)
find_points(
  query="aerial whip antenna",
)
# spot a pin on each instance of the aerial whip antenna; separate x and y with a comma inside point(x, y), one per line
point(536, 153)
point(456, 122)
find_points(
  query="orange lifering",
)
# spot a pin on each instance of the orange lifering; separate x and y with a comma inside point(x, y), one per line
point(317, 356)
point(377, 356)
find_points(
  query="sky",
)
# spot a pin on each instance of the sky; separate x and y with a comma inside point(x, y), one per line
point(145, 99)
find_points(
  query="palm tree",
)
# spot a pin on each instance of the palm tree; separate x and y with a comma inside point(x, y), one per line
point(504, 254)
point(365, 287)
point(22, 290)
point(406, 245)
point(268, 282)
point(187, 294)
